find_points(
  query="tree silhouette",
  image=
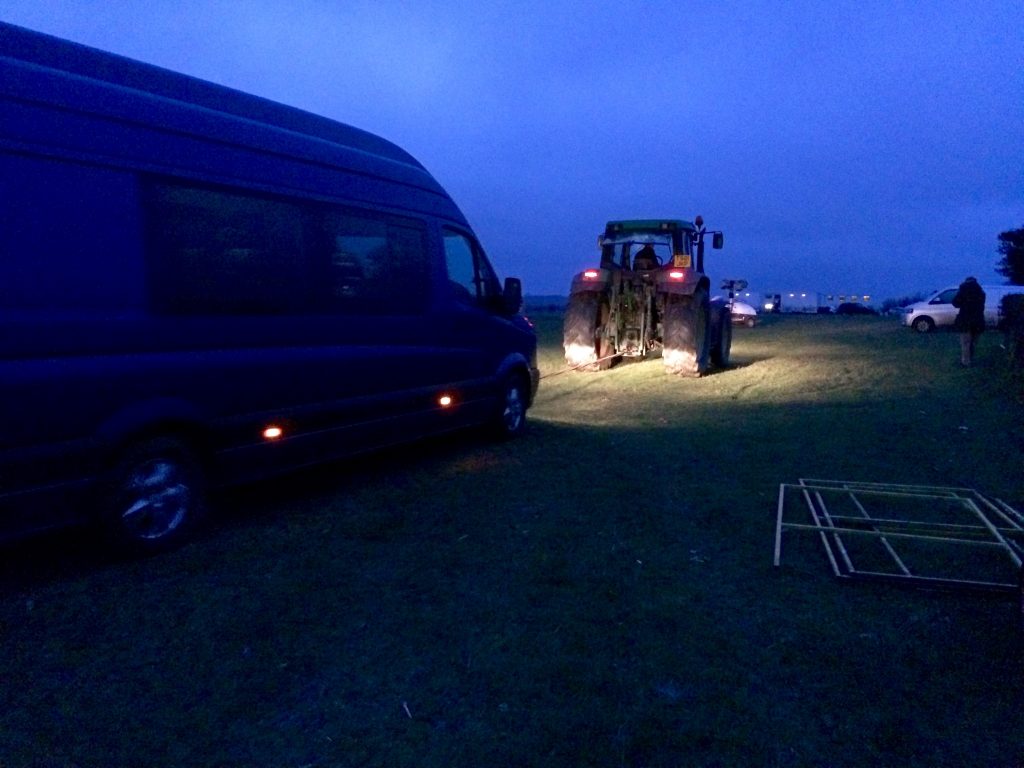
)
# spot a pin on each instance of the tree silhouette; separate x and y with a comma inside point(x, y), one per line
point(1011, 246)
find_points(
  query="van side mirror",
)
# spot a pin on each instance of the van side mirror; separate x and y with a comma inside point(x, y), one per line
point(512, 296)
point(717, 240)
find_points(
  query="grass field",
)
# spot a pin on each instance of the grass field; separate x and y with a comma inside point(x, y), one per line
point(599, 592)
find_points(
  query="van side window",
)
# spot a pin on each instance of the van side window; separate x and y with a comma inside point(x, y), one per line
point(216, 252)
point(223, 253)
point(376, 265)
point(70, 236)
point(469, 273)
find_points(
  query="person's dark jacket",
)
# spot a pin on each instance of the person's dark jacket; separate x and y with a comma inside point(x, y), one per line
point(970, 299)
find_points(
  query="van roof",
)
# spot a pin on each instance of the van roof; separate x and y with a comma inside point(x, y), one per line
point(73, 58)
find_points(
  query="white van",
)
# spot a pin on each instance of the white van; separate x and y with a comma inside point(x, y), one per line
point(938, 310)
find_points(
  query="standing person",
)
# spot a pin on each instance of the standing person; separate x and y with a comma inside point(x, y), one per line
point(970, 320)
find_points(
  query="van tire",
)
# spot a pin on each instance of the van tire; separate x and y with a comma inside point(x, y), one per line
point(510, 420)
point(156, 497)
point(924, 324)
point(686, 334)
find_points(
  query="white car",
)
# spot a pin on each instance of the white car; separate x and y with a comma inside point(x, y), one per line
point(938, 310)
point(743, 314)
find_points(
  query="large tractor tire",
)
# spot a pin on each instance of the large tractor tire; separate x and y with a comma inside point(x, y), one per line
point(721, 324)
point(686, 327)
point(584, 338)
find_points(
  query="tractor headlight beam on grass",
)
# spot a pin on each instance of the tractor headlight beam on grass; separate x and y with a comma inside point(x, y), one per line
point(929, 536)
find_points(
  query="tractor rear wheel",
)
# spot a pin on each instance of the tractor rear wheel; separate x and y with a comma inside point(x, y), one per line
point(685, 328)
point(584, 335)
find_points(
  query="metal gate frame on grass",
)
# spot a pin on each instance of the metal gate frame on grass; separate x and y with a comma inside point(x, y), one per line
point(989, 523)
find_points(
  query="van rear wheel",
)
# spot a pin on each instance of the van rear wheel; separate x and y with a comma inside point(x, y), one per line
point(156, 496)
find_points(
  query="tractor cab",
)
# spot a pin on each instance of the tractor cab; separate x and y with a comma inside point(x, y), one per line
point(643, 245)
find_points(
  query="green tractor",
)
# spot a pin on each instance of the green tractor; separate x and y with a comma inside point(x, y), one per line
point(649, 296)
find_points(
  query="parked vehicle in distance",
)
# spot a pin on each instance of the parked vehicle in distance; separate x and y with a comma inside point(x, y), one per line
point(937, 311)
point(742, 314)
point(199, 286)
point(800, 302)
point(850, 308)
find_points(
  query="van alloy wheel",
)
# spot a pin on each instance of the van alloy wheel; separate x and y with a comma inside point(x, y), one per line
point(157, 496)
point(512, 419)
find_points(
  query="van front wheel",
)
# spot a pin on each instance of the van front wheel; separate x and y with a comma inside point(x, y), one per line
point(510, 421)
point(156, 496)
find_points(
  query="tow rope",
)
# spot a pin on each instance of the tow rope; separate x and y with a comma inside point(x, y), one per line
point(577, 367)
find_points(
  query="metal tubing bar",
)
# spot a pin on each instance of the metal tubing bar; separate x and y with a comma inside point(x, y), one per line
point(992, 529)
point(885, 542)
point(1010, 510)
point(919, 523)
point(879, 492)
point(824, 538)
point(839, 542)
point(778, 525)
point(914, 489)
point(892, 535)
point(1001, 513)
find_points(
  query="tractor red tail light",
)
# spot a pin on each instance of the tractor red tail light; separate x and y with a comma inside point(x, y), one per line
point(591, 274)
point(676, 274)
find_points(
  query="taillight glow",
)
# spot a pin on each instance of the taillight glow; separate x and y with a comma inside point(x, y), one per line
point(272, 432)
point(591, 274)
point(676, 274)
point(445, 401)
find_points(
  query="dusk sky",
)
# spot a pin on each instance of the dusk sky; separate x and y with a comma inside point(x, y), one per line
point(843, 147)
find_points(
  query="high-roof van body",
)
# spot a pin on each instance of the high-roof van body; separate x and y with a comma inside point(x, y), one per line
point(201, 286)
